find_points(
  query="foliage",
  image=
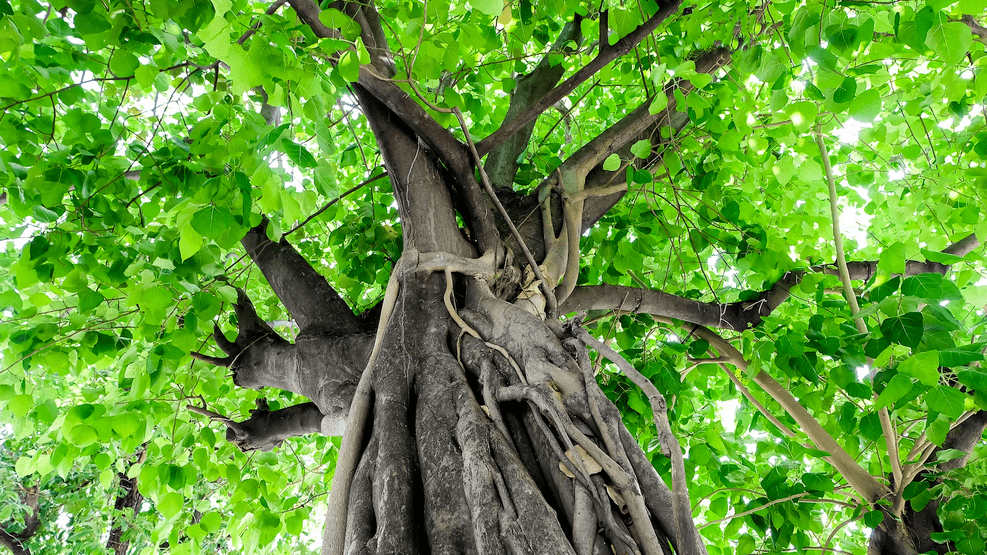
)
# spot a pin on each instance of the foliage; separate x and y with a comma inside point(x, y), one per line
point(136, 156)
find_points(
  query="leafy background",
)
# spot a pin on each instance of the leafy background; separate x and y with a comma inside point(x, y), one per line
point(135, 157)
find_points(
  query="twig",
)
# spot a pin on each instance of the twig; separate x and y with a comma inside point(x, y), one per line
point(334, 201)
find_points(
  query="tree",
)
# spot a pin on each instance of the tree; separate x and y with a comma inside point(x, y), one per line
point(547, 277)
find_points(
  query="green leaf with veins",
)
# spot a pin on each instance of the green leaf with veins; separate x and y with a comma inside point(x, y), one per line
point(212, 221)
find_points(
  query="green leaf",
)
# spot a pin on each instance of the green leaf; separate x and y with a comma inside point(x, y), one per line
point(335, 19)
point(20, 405)
point(298, 154)
point(349, 66)
point(170, 504)
point(244, 70)
point(658, 104)
point(949, 455)
point(846, 92)
point(803, 114)
point(146, 74)
point(896, 388)
point(867, 106)
point(892, 260)
point(905, 329)
point(884, 290)
point(211, 221)
point(641, 149)
point(90, 23)
point(950, 41)
point(946, 400)
point(929, 286)
point(89, 299)
point(124, 63)
point(44, 215)
point(783, 170)
point(817, 482)
point(951, 358)
point(189, 242)
point(823, 57)
point(488, 7)
point(937, 430)
point(24, 467)
point(974, 378)
point(82, 435)
point(612, 163)
point(873, 518)
point(923, 366)
point(941, 257)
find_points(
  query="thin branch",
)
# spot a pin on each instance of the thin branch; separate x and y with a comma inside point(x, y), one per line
point(757, 404)
point(335, 200)
point(890, 437)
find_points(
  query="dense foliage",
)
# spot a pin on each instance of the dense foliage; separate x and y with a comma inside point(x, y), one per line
point(142, 140)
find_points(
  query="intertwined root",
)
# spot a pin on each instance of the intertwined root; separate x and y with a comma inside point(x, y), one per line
point(512, 447)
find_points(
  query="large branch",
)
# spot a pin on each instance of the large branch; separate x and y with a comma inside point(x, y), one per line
point(738, 315)
point(859, 479)
point(606, 55)
point(428, 217)
point(307, 295)
point(501, 164)
point(963, 437)
point(450, 151)
point(323, 367)
point(605, 188)
point(266, 429)
point(735, 316)
point(128, 501)
point(14, 541)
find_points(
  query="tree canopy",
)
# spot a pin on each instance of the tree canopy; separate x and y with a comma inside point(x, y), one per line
point(777, 211)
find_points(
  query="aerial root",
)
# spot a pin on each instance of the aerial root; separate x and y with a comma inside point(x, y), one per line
point(361, 525)
point(590, 501)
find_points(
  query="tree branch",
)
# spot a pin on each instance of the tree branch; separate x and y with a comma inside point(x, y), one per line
point(738, 315)
point(129, 499)
point(636, 125)
point(451, 152)
point(501, 164)
point(312, 302)
point(606, 55)
point(858, 478)
point(428, 217)
point(15, 541)
point(266, 429)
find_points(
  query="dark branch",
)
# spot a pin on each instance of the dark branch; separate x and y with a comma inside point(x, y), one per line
point(14, 541)
point(451, 152)
point(606, 55)
point(631, 128)
point(925, 522)
point(312, 302)
point(501, 164)
point(128, 500)
point(736, 316)
point(266, 429)
point(428, 218)
point(739, 315)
